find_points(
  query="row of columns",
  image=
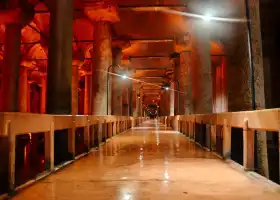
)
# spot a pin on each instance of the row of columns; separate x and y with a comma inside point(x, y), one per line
point(240, 86)
point(59, 91)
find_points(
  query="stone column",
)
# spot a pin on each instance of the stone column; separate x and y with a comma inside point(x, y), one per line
point(59, 89)
point(178, 96)
point(75, 82)
point(186, 81)
point(116, 83)
point(164, 103)
point(201, 73)
point(23, 91)
point(130, 90)
point(43, 93)
point(172, 98)
point(59, 81)
point(138, 103)
point(141, 104)
point(88, 91)
point(102, 14)
point(240, 96)
point(11, 68)
point(101, 59)
point(135, 101)
point(127, 90)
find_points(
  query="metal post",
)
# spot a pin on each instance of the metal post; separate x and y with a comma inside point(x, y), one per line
point(252, 74)
point(108, 88)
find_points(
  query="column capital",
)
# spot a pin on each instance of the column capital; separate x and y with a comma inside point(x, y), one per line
point(77, 63)
point(27, 64)
point(102, 11)
point(120, 44)
point(183, 43)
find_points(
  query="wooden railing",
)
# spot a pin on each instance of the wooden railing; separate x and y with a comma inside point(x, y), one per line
point(14, 124)
point(249, 121)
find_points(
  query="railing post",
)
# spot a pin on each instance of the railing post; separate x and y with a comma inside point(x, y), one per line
point(175, 123)
point(111, 132)
point(49, 148)
point(226, 140)
point(248, 145)
point(114, 125)
point(213, 137)
point(189, 129)
point(71, 139)
point(194, 130)
point(12, 154)
point(104, 131)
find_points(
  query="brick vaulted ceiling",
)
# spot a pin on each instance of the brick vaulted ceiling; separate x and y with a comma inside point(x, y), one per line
point(151, 34)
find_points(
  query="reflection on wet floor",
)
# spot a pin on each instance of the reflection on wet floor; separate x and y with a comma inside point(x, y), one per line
point(148, 162)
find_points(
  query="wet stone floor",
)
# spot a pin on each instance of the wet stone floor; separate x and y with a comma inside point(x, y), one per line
point(148, 162)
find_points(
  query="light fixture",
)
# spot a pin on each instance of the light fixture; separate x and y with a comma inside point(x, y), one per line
point(166, 88)
point(124, 77)
point(207, 17)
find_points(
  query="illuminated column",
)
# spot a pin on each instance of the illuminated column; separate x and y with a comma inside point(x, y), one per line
point(135, 101)
point(116, 82)
point(172, 98)
point(23, 91)
point(101, 59)
point(102, 14)
point(138, 103)
point(75, 82)
point(201, 76)
point(125, 95)
point(59, 89)
point(165, 103)
point(43, 97)
point(88, 92)
point(178, 97)
point(186, 82)
point(59, 81)
point(129, 93)
point(11, 68)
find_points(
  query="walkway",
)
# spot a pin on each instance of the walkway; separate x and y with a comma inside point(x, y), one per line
point(148, 162)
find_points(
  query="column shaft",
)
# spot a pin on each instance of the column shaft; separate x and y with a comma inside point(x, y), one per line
point(43, 97)
point(172, 98)
point(116, 83)
point(88, 92)
point(202, 76)
point(23, 92)
point(75, 81)
point(60, 58)
point(101, 59)
point(186, 82)
point(10, 78)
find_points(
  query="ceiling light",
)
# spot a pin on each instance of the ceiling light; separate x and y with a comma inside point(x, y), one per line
point(166, 88)
point(124, 77)
point(207, 17)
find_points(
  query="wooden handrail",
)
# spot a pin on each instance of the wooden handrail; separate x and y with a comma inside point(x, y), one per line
point(22, 123)
point(268, 119)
